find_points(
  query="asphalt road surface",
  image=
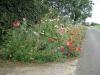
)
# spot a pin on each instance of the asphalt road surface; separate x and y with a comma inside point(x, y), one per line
point(89, 62)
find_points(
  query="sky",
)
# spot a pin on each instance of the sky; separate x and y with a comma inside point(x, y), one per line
point(95, 12)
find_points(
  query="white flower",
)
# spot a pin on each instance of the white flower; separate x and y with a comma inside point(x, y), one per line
point(32, 58)
point(37, 34)
point(41, 20)
point(58, 19)
point(46, 20)
point(49, 9)
point(58, 16)
point(42, 33)
point(56, 26)
point(55, 19)
point(24, 19)
point(51, 20)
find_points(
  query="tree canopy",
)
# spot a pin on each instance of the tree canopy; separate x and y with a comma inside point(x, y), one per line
point(77, 10)
point(17, 9)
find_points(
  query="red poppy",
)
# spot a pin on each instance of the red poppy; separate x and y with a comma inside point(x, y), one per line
point(79, 49)
point(16, 23)
point(62, 48)
point(69, 44)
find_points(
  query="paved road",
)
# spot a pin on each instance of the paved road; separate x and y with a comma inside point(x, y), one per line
point(89, 63)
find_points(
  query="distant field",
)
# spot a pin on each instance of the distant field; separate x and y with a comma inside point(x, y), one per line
point(97, 26)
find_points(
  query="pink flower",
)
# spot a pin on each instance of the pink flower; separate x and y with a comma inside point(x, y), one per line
point(61, 30)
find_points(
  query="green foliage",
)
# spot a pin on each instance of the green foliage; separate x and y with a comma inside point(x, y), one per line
point(29, 45)
point(11, 10)
point(43, 42)
point(94, 24)
point(47, 56)
point(17, 9)
point(50, 35)
point(19, 42)
point(77, 10)
point(34, 10)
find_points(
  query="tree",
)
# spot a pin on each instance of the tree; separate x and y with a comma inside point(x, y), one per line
point(77, 10)
point(17, 9)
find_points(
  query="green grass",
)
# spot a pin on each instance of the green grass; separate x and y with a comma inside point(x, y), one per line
point(97, 26)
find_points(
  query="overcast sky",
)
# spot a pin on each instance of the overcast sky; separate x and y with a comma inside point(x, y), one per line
point(96, 12)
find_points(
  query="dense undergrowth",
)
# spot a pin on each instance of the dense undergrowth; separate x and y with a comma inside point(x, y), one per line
point(51, 40)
